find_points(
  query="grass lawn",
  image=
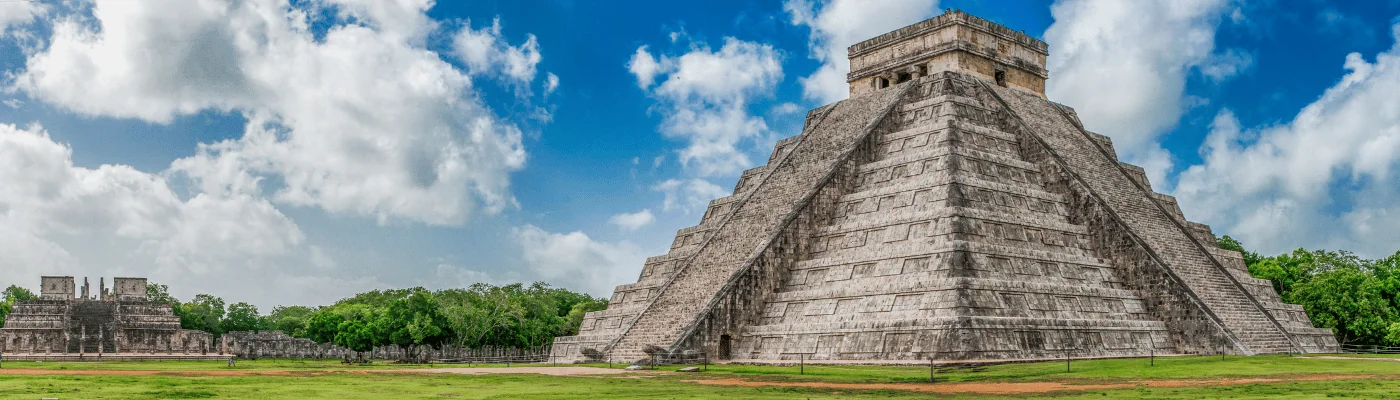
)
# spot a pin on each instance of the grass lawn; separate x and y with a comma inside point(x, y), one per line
point(1176, 377)
point(1090, 370)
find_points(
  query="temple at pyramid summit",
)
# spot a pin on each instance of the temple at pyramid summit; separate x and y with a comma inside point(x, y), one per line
point(947, 210)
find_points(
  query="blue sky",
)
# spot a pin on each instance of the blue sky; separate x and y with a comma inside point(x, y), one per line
point(297, 153)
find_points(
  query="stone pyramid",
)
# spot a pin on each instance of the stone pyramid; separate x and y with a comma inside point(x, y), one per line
point(946, 210)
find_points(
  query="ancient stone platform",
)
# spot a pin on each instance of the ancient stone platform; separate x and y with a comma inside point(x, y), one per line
point(70, 357)
point(121, 323)
point(945, 211)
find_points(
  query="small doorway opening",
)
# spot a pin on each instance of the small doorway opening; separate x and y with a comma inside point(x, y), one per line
point(723, 347)
point(881, 83)
point(1000, 75)
point(903, 77)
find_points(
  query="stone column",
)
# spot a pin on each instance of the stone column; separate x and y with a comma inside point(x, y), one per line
point(82, 339)
point(100, 335)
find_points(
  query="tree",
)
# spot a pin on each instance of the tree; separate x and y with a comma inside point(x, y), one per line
point(11, 295)
point(15, 294)
point(323, 325)
point(241, 317)
point(1228, 243)
point(415, 320)
point(359, 331)
point(293, 320)
point(1392, 336)
point(576, 314)
point(1348, 300)
point(475, 314)
point(160, 293)
point(203, 313)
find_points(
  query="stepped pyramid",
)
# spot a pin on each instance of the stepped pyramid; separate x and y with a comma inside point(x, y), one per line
point(946, 210)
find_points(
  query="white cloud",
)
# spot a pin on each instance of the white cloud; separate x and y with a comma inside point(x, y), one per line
point(575, 261)
point(447, 275)
point(1326, 179)
point(689, 195)
point(785, 109)
point(60, 219)
point(551, 83)
point(485, 51)
point(1123, 66)
point(17, 13)
point(403, 18)
point(838, 24)
point(705, 98)
point(644, 66)
point(362, 121)
point(1222, 66)
point(633, 221)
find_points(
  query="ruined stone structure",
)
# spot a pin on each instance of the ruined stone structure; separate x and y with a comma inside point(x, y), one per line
point(120, 322)
point(946, 210)
point(277, 344)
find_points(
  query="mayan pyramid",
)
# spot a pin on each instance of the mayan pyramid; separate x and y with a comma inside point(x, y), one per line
point(946, 210)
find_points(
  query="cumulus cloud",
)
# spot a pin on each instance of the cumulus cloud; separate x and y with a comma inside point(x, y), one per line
point(576, 261)
point(1123, 66)
point(838, 24)
point(1325, 179)
point(18, 13)
point(689, 195)
point(644, 66)
point(633, 221)
point(705, 97)
point(57, 218)
point(362, 121)
point(485, 51)
point(354, 117)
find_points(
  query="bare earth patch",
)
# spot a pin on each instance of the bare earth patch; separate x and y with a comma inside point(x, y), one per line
point(9, 371)
point(1357, 358)
point(1020, 387)
point(553, 371)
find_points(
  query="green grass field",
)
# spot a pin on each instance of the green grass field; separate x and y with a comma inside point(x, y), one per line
point(1193, 377)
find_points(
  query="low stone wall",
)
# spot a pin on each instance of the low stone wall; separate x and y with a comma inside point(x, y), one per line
point(277, 344)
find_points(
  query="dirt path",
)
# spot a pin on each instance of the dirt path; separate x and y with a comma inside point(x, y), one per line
point(11, 371)
point(553, 371)
point(1019, 387)
point(1357, 358)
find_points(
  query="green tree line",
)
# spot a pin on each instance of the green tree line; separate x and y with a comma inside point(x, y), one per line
point(513, 315)
point(1358, 298)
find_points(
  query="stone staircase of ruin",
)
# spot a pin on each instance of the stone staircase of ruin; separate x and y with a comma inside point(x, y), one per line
point(956, 140)
point(1183, 254)
point(89, 328)
point(750, 228)
point(629, 299)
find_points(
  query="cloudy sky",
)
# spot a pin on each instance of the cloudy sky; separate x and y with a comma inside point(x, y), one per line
point(297, 152)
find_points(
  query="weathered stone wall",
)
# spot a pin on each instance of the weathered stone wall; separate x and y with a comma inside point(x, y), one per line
point(1133, 225)
point(129, 288)
point(57, 288)
point(954, 41)
point(124, 323)
point(277, 344)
